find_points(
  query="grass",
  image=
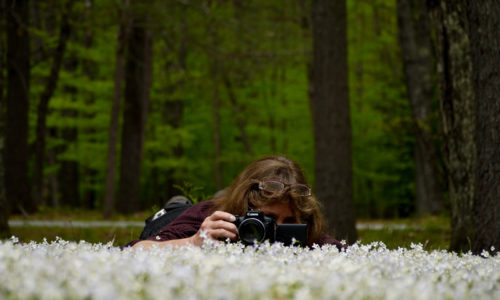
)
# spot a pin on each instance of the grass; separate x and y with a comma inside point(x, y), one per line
point(430, 238)
point(432, 232)
point(68, 213)
point(119, 235)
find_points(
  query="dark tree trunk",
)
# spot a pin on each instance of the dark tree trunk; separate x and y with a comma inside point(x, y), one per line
point(458, 118)
point(68, 175)
point(38, 47)
point(229, 82)
point(67, 179)
point(174, 112)
point(88, 174)
point(3, 43)
point(240, 122)
point(4, 213)
point(484, 18)
point(414, 37)
point(16, 121)
point(214, 74)
point(52, 178)
point(51, 84)
point(109, 197)
point(137, 87)
point(217, 136)
point(331, 119)
point(174, 108)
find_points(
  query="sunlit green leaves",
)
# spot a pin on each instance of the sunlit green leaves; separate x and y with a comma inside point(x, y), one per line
point(262, 49)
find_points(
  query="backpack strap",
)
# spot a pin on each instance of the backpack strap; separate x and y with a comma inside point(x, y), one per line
point(172, 209)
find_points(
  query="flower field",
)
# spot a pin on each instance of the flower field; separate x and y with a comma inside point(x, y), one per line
point(68, 270)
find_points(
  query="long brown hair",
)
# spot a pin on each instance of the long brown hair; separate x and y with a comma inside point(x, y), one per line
point(244, 193)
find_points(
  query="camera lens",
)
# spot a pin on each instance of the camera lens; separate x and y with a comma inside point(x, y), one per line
point(251, 231)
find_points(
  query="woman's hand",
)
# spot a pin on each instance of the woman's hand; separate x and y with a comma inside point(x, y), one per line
point(216, 226)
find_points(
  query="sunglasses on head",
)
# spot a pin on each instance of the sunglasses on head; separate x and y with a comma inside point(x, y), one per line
point(276, 186)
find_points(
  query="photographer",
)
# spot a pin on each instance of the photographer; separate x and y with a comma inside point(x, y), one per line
point(274, 185)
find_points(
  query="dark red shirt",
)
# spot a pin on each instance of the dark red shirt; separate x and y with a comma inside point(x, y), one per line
point(189, 222)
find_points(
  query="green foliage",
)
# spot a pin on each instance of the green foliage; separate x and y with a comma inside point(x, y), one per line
point(382, 126)
point(195, 193)
point(262, 49)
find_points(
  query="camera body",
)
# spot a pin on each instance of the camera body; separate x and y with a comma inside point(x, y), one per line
point(256, 227)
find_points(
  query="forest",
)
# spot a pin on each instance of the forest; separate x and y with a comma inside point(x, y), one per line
point(391, 107)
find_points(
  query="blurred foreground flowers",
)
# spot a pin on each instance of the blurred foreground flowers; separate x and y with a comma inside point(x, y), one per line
point(68, 270)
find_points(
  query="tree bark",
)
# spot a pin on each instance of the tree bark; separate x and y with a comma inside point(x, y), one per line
point(214, 74)
point(4, 213)
point(53, 180)
point(51, 84)
point(174, 108)
point(123, 31)
point(414, 37)
point(216, 117)
point(67, 180)
point(3, 49)
point(331, 119)
point(137, 86)
point(237, 114)
point(17, 107)
point(68, 175)
point(458, 117)
point(484, 18)
point(174, 112)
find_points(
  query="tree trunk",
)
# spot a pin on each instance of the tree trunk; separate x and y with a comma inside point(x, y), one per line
point(217, 137)
point(240, 122)
point(214, 74)
point(3, 44)
point(53, 180)
point(331, 119)
point(174, 108)
point(43, 105)
point(68, 173)
point(458, 118)
point(123, 31)
point(4, 213)
point(17, 107)
point(414, 37)
point(484, 18)
point(137, 87)
point(174, 111)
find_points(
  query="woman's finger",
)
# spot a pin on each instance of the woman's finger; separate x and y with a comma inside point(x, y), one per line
point(221, 233)
point(225, 225)
point(222, 215)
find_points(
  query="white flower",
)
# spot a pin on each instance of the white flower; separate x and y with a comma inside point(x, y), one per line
point(69, 270)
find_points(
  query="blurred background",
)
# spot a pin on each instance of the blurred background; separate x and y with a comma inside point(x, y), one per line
point(120, 105)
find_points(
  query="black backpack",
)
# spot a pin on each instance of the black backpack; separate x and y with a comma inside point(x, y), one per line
point(172, 209)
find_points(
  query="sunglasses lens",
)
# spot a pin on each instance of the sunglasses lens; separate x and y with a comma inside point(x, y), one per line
point(301, 190)
point(272, 186)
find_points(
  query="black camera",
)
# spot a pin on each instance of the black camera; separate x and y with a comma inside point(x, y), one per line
point(256, 227)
